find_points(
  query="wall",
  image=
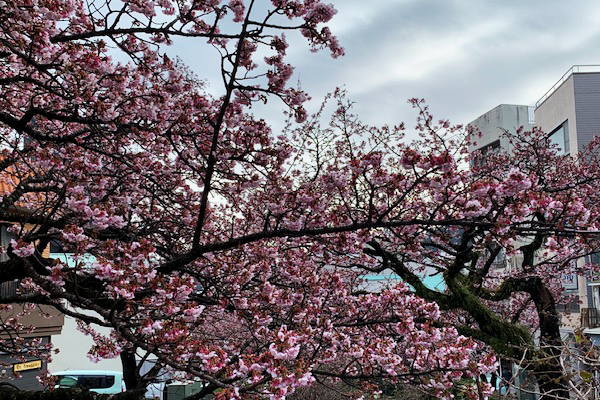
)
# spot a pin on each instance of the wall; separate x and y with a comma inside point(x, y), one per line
point(493, 123)
point(578, 101)
point(557, 108)
point(46, 320)
point(28, 379)
point(74, 346)
point(587, 107)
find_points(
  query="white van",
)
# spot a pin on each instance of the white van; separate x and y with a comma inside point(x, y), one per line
point(100, 381)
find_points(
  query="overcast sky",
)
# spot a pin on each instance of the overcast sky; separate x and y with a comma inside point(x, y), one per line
point(463, 56)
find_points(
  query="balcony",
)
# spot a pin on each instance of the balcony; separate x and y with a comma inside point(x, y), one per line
point(590, 318)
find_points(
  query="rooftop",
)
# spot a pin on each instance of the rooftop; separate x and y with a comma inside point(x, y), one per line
point(575, 69)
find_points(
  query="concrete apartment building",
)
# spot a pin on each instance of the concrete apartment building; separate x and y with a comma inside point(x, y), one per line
point(493, 123)
point(570, 113)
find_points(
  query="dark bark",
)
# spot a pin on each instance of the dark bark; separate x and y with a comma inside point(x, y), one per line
point(133, 381)
point(548, 371)
point(506, 336)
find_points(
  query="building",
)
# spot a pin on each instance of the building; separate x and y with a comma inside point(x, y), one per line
point(46, 321)
point(492, 124)
point(570, 112)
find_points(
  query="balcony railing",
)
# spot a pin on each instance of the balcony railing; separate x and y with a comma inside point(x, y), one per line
point(590, 318)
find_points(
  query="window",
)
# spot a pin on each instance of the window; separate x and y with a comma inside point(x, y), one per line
point(490, 147)
point(570, 307)
point(560, 138)
point(484, 151)
point(56, 247)
point(593, 277)
point(86, 381)
point(5, 237)
point(500, 260)
point(7, 289)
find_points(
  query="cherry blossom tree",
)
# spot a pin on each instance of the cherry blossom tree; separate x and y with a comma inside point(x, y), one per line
point(192, 231)
point(499, 229)
point(532, 217)
point(237, 255)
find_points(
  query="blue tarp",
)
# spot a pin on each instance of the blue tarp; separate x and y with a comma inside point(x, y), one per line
point(435, 282)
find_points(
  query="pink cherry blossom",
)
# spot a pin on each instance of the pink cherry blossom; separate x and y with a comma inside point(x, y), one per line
point(22, 249)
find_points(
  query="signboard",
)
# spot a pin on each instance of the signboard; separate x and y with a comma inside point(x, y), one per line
point(35, 364)
point(569, 281)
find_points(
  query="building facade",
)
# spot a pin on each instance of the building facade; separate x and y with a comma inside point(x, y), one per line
point(44, 321)
point(491, 127)
point(570, 113)
point(492, 124)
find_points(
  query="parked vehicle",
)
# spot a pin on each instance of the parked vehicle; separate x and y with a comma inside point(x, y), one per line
point(175, 390)
point(102, 382)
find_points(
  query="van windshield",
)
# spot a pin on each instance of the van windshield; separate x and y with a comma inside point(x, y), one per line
point(85, 381)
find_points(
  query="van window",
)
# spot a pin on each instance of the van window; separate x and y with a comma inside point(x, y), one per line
point(86, 381)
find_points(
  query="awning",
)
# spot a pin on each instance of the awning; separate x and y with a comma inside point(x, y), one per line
point(594, 334)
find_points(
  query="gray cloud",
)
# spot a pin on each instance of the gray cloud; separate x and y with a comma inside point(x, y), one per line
point(464, 57)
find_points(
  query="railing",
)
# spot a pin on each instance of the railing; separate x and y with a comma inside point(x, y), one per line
point(573, 70)
point(590, 318)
